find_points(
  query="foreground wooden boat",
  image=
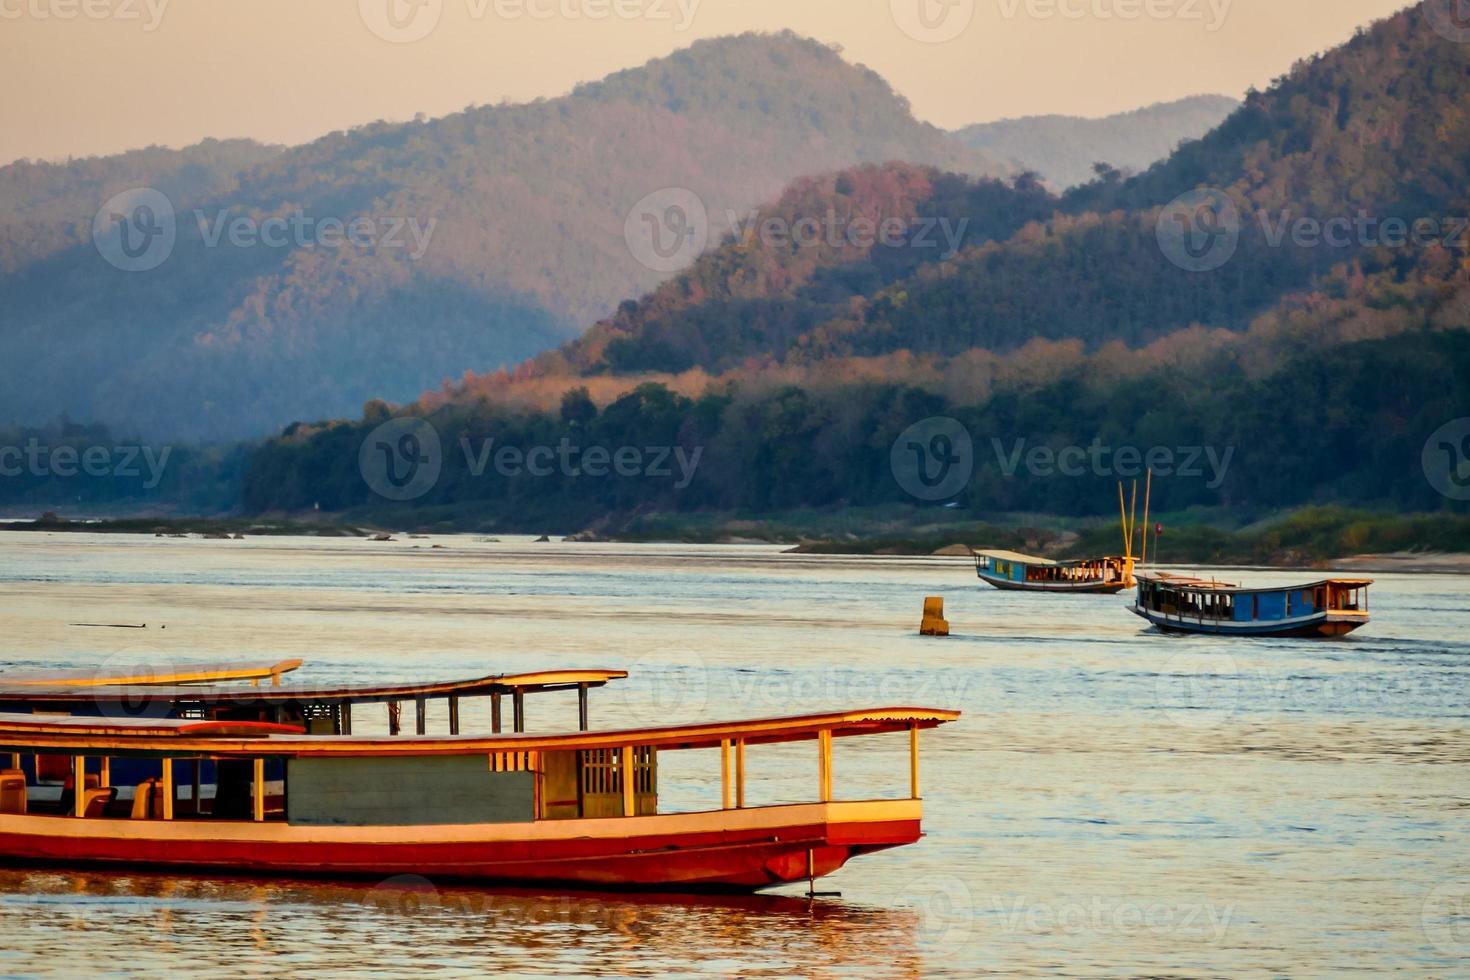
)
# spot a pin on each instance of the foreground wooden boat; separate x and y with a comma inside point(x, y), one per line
point(1176, 604)
point(1013, 572)
point(575, 809)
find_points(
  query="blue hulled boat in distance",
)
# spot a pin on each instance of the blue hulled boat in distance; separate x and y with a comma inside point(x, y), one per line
point(1177, 604)
point(1024, 573)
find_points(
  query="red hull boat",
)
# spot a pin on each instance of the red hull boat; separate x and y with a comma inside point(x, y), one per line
point(231, 795)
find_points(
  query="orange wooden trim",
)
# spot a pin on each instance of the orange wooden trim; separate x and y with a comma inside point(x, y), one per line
point(824, 766)
point(87, 686)
point(914, 762)
point(610, 828)
point(630, 803)
point(83, 734)
point(740, 774)
point(145, 677)
point(725, 774)
point(257, 791)
point(79, 784)
point(169, 793)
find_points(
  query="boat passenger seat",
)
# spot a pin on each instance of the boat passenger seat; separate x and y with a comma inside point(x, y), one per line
point(96, 801)
point(68, 799)
point(12, 791)
point(147, 800)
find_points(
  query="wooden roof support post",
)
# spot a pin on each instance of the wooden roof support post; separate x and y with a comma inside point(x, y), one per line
point(630, 807)
point(740, 774)
point(196, 785)
point(454, 714)
point(914, 762)
point(421, 716)
point(104, 777)
point(495, 714)
point(395, 719)
point(518, 708)
point(824, 765)
point(725, 774)
point(79, 782)
point(257, 792)
point(168, 789)
point(346, 710)
point(583, 723)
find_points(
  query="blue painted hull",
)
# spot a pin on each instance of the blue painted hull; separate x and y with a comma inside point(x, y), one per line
point(1323, 625)
point(1084, 587)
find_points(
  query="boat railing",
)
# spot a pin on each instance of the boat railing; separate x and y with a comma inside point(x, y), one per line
point(258, 770)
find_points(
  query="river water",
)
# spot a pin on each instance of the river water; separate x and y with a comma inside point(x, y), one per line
point(1114, 801)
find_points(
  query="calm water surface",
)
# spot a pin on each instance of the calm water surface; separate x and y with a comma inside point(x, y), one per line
point(1114, 802)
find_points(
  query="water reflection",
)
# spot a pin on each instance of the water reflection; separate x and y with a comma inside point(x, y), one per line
point(224, 927)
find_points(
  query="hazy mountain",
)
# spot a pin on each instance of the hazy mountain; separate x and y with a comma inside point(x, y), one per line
point(1320, 360)
point(377, 262)
point(1375, 128)
point(1064, 149)
point(48, 207)
point(757, 295)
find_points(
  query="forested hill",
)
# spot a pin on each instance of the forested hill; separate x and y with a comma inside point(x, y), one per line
point(1377, 129)
point(480, 239)
point(764, 289)
point(1321, 362)
point(48, 207)
point(1064, 149)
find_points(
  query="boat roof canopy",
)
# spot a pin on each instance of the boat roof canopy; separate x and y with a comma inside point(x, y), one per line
point(153, 675)
point(1191, 584)
point(15, 725)
point(100, 736)
point(1015, 556)
point(117, 692)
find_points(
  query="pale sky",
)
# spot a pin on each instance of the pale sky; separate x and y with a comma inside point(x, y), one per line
point(80, 77)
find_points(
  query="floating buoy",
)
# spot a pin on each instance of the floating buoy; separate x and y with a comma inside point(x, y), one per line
point(934, 623)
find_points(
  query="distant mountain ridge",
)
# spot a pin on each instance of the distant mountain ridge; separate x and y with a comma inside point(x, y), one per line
point(47, 207)
point(1375, 126)
point(1323, 365)
point(1064, 149)
point(523, 210)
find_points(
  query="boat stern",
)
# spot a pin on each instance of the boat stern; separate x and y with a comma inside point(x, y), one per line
point(1342, 622)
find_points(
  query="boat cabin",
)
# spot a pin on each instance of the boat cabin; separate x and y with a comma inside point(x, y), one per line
point(196, 694)
point(200, 692)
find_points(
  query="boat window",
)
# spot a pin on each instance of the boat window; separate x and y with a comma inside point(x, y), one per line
point(602, 782)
